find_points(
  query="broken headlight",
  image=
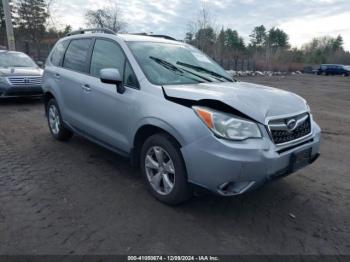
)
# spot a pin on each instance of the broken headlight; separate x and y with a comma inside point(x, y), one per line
point(227, 126)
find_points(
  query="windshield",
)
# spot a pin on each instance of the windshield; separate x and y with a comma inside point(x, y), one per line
point(347, 68)
point(8, 59)
point(172, 64)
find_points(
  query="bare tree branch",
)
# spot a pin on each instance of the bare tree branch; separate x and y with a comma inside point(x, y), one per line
point(108, 17)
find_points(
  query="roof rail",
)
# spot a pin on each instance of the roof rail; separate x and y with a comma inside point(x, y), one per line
point(93, 30)
point(164, 36)
point(160, 36)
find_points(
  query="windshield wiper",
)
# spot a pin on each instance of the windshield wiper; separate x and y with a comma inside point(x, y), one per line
point(174, 68)
point(166, 64)
point(199, 68)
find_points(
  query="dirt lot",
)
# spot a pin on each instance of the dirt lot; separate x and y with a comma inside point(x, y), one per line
point(78, 198)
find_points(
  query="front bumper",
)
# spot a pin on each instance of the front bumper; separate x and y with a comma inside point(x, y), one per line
point(16, 91)
point(235, 167)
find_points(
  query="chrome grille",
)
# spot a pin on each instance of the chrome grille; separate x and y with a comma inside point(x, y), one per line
point(25, 80)
point(289, 129)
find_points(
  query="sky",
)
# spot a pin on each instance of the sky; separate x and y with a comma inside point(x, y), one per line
point(301, 19)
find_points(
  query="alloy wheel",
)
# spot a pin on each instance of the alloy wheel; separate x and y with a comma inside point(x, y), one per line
point(160, 170)
point(54, 119)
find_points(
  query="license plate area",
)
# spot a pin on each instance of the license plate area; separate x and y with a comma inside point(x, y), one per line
point(300, 159)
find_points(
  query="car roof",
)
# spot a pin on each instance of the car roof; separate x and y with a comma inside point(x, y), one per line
point(128, 37)
point(146, 38)
point(331, 65)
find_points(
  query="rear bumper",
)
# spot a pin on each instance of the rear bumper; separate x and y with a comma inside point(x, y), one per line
point(13, 91)
point(232, 168)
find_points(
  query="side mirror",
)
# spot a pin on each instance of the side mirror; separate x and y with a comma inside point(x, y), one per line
point(40, 63)
point(112, 76)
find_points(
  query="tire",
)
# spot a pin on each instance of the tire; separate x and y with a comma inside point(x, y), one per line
point(54, 119)
point(161, 146)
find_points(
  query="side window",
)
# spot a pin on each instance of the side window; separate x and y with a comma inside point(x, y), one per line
point(106, 54)
point(58, 52)
point(76, 57)
point(129, 76)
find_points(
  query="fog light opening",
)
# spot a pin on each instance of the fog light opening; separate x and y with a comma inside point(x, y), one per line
point(235, 188)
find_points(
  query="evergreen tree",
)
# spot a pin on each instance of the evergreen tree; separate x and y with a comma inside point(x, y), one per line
point(220, 45)
point(189, 37)
point(277, 38)
point(205, 38)
point(338, 43)
point(233, 40)
point(258, 36)
point(31, 20)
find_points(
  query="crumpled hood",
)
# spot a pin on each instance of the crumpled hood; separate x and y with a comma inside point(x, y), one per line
point(21, 71)
point(255, 101)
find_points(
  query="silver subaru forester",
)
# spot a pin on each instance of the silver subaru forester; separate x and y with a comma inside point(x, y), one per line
point(176, 113)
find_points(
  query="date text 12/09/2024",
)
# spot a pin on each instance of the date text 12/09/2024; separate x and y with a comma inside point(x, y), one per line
point(173, 258)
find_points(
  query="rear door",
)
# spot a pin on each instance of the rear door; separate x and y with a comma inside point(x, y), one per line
point(340, 70)
point(108, 114)
point(53, 71)
point(75, 68)
point(329, 69)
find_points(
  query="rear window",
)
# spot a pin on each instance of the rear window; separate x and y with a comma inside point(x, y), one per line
point(57, 55)
point(76, 57)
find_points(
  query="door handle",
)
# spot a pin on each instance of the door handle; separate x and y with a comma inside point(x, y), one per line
point(57, 75)
point(86, 88)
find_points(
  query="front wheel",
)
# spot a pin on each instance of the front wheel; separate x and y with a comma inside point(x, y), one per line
point(55, 122)
point(164, 170)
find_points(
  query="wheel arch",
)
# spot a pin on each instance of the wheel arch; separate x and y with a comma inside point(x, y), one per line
point(145, 131)
point(47, 97)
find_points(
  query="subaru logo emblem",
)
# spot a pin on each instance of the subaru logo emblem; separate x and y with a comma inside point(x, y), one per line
point(291, 124)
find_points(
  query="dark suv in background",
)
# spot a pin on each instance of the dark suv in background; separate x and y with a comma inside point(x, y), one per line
point(334, 70)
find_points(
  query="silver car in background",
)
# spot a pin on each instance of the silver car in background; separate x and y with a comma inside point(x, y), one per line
point(176, 113)
point(19, 75)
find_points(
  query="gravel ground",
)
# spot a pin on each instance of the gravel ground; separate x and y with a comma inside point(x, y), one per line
point(78, 198)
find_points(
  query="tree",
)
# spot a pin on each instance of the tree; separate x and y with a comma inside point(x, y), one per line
point(338, 43)
point(31, 20)
point(277, 38)
point(205, 39)
point(220, 45)
point(202, 28)
point(110, 18)
point(2, 18)
point(258, 36)
point(189, 37)
point(233, 40)
point(67, 29)
point(323, 49)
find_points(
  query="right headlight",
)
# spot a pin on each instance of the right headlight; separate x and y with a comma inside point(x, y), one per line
point(227, 126)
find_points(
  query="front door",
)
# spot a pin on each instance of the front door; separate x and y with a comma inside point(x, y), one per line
point(108, 114)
